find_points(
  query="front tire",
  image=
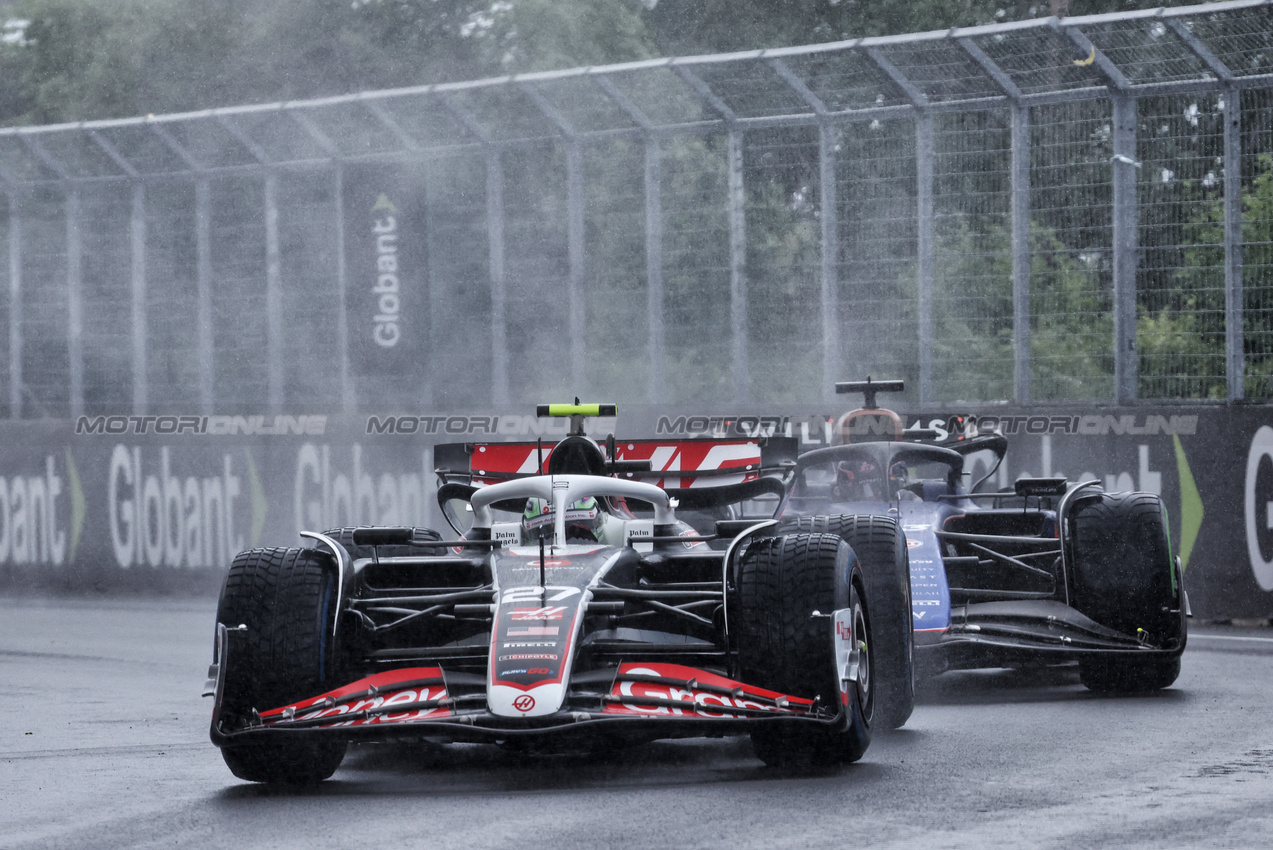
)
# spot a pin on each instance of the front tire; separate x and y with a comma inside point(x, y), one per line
point(782, 581)
point(1129, 675)
point(880, 545)
point(1124, 576)
point(286, 598)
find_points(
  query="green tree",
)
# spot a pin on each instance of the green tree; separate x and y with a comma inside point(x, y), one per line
point(1071, 329)
point(1186, 331)
point(712, 26)
point(542, 35)
point(120, 58)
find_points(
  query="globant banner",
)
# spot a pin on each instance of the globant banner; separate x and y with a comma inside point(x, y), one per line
point(123, 502)
point(386, 268)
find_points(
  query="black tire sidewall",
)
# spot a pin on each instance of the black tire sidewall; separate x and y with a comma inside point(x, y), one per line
point(781, 646)
point(880, 547)
point(286, 599)
point(1122, 572)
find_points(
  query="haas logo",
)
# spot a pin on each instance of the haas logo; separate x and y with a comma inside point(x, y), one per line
point(526, 614)
point(524, 703)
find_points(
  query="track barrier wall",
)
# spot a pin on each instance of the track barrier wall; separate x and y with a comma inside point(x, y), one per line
point(161, 504)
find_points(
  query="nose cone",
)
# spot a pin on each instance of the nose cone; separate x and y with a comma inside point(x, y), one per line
point(508, 701)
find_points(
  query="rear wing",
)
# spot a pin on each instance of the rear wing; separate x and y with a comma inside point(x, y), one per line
point(674, 464)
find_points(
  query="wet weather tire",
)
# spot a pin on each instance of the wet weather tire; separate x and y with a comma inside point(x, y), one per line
point(286, 598)
point(1129, 675)
point(880, 546)
point(1123, 575)
point(782, 581)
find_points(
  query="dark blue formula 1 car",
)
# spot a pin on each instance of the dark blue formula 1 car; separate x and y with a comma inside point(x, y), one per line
point(1050, 572)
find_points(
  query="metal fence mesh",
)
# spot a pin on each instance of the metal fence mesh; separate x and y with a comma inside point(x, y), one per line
point(106, 341)
point(1181, 276)
point(8, 311)
point(172, 303)
point(616, 302)
point(240, 321)
point(696, 272)
point(537, 264)
point(1073, 209)
point(1070, 243)
point(459, 364)
point(972, 356)
point(45, 356)
point(783, 264)
point(1257, 242)
point(876, 191)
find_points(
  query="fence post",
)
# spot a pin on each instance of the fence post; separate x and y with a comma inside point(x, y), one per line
point(738, 270)
point(75, 301)
point(1234, 342)
point(495, 237)
point(137, 234)
point(348, 400)
point(1020, 203)
point(273, 296)
point(654, 264)
point(575, 235)
point(203, 292)
point(15, 308)
point(830, 284)
point(925, 249)
point(1126, 245)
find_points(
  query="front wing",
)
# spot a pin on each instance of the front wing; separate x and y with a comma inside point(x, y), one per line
point(653, 700)
point(1004, 634)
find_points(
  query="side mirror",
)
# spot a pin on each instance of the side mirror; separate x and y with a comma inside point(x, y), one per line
point(459, 514)
point(383, 536)
point(453, 498)
point(1040, 486)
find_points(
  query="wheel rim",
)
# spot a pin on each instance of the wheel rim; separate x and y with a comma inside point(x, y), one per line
point(860, 656)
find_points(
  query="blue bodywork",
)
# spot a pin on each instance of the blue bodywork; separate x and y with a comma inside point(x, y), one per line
point(930, 590)
point(988, 579)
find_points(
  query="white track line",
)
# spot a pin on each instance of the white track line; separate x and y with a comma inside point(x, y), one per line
point(1229, 637)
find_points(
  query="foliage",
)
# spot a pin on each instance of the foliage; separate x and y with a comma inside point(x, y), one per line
point(1200, 332)
point(973, 342)
point(711, 26)
point(119, 58)
point(80, 60)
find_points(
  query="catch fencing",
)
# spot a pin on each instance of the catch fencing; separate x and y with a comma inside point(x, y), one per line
point(1049, 210)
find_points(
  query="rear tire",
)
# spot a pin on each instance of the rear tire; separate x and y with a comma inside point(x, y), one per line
point(782, 581)
point(1124, 576)
point(880, 545)
point(286, 598)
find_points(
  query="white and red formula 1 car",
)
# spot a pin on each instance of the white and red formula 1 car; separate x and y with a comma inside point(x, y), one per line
point(571, 608)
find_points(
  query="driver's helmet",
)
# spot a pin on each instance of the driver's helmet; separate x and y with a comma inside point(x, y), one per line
point(857, 479)
point(898, 475)
point(584, 520)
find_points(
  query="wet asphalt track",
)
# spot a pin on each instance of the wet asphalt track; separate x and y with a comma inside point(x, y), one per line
point(104, 744)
